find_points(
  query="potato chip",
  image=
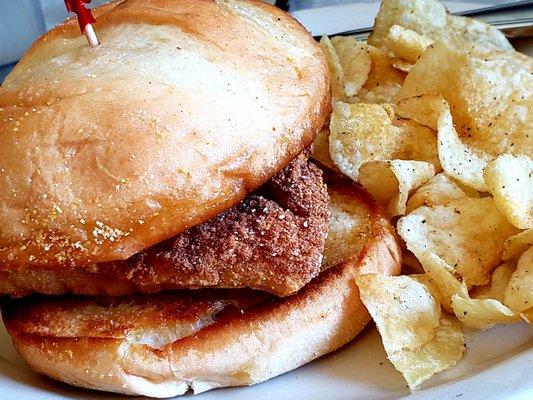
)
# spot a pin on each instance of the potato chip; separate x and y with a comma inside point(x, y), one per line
point(482, 314)
point(519, 293)
point(427, 18)
point(424, 109)
point(514, 57)
point(430, 19)
point(498, 283)
point(429, 283)
point(335, 68)
point(349, 227)
point(321, 149)
point(457, 234)
point(517, 244)
point(467, 33)
point(391, 182)
point(383, 81)
point(439, 190)
point(406, 44)
point(354, 57)
point(439, 354)
point(510, 180)
point(361, 133)
point(460, 161)
point(402, 65)
point(490, 97)
point(405, 313)
point(478, 313)
point(379, 180)
point(442, 278)
point(528, 316)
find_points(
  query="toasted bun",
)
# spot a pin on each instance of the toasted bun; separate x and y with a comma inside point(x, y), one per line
point(184, 108)
point(161, 345)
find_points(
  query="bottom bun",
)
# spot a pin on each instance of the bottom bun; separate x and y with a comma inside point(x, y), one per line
point(162, 345)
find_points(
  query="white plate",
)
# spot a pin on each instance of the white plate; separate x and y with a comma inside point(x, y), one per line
point(498, 365)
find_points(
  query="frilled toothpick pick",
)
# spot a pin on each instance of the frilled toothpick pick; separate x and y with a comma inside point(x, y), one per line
point(85, 19)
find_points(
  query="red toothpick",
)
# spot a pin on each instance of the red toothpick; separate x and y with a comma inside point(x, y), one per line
point(85, 19)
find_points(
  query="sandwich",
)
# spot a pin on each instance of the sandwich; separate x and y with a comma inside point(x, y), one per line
point(163, 226)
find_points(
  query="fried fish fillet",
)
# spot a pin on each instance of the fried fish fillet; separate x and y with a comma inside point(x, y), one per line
point(273, 241)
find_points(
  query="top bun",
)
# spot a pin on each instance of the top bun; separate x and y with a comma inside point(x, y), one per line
point(184, 108)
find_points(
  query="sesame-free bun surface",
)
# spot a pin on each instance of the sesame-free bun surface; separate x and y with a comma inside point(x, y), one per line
point(162, 344)
point(184, 108)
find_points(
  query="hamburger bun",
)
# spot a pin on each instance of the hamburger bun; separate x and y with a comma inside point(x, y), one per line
point(184, 108)
point(162, 345)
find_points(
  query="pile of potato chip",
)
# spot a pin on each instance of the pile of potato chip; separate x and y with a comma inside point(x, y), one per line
point(433, 116)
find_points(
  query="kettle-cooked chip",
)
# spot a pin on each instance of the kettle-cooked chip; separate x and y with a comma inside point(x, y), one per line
point(335, 68)
point(354, 57)
point(482, 313)
point(510, 180)
point(402, 65)
point(360, 133)
point(431, 285)
point(361, 73)
point(463, 108)
point(439, 190)
point(457, 158)
point(424, 109)
point(379, 179)
point(515, 57)
point(517, 244)
point(321, 149)
point(498, 283)
point(460, 161)
point(442, 279)
point(519, 293)
point(391, 182)
point(490, 96)
point(439, 354)
point(486, 308)
point(457, 234)
point(528, 316)
point(349, 227)
point(403, 309)
point(406, 44)
point(467, 33)
point(430, 19)
point(384, 80)
point(419, 341)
